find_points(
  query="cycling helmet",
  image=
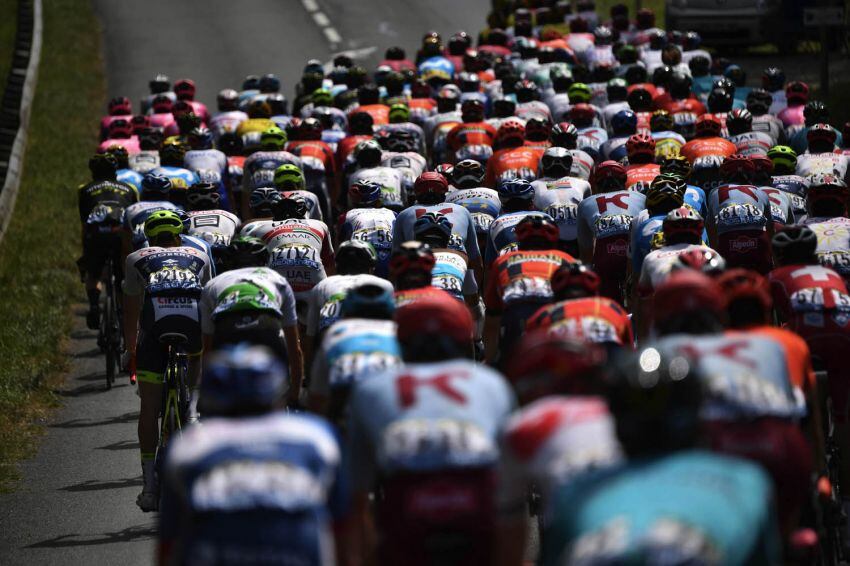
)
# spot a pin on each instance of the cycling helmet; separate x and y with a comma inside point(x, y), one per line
point(736, 74)
point(617, 90)
point(564, 134)
point(251, 82)
point(684, 293)
point(666, 193)
point(103, 165)
point(368, 154)
point(399, 114)
point(246, 251)
point(288, 177)
point(120, 106)
point(603, 35)
point(259, 109)
point(574, 281)
point(368, 301)
point(202, 196)
point(310, 129)
point(682, 221)
point(395, 53)
point(737, 168)
point(434, 326)
point(444, 169)
point(763, 169)
point(700, 66)
point(162, 104)
point(242, 379)
point(794, 244)
point(691, 41)
point(200, 138)
point(365, 193)
point(469, 82)
point(784, 159)
point(707, 126)
point(661, 121)
point(797, 92)
point(472, 110)
point(739, 121)
point(515, 189)
point(430, 184)
point(553, 365)
point(624, 123)
point(608, 176)
point(708, 262)
point(468, 174)
point(434, 229)
point(140, 122)
point(556, 162)
point(355, 256)
point(640, 145)
point(412, 256)
point(159, 84)
point(273, 139)
point(827, 189)
point(582, 115)
point(536, 232)
point(677, 165)
point(656, 399)
point(821, 136)
point(120, 129)
point(291, 207)
point(231, 144)
point(579, 93)
point(661, 75)
point(526, 91)
point(815, 112)
point(504, 107)
point(154, 185)
point(773, 79)
point(184, 89)
point(269, 83)
point(640, 100)
point(511, 132)
point(360, 123)
point(759, 101)
point(121, 155)
point(745, 285)
point(163, 222)
point(537, 129)
point(264, 201)
point(720, 100)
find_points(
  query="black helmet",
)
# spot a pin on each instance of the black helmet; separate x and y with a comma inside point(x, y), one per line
point(202, 196)
point(159, 84)
point(355, 256)
point(700, 66)
point(468, 174)
point(759, 101)
point(103, 165)
point(291, 207)
point(246, 251)
point(795, 245)
point(719, 100)
point(816, 112)
point(773, 79)
point(269, 83)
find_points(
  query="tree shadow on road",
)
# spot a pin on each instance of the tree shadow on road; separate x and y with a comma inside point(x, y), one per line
point(97, 485)
point(129, 534)
point(121, 445)
point(130, 417)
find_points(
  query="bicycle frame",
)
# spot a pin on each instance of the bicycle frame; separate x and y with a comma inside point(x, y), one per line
point(175, 395)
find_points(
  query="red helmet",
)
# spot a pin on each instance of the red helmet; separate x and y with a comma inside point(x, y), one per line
point(120, 128)
point(535, 226)
point(537, 129)
point(683, 220)
point(640, 144)
point(797, 91)
point(575, 276)
point(511, 130)
point(821, 133)
point(430, 183)
point(687, 291)
point(609, 175)
point(737, 167)
point(411, 255)
point(762, 164)
point(549, 365)
point(120, 106)
point(707, 125)
point(825, 187)
point(181, 107)
point(437, 314)
point(582, 113)
point(184, 89)
point(310, 129)
point(745, 284)
point(140, 122)
point(161, 104)
point(704, 261)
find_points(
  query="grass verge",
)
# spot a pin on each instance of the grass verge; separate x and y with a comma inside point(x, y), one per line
point(38, 278)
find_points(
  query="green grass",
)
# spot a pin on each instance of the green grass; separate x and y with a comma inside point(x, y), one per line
point(38, 279)
point(8, 23)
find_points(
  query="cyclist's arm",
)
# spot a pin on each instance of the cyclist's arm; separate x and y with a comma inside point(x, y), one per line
point(133, 291)
point(296, 361)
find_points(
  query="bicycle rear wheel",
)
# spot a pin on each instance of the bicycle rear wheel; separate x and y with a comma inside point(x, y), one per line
point(110, 324)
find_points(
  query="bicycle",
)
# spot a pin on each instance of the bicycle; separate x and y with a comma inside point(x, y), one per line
point(175, 391)
point(110, 336)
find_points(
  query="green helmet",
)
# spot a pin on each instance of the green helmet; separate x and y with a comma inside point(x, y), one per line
point(163, 222)
point(579, 92)
point(784, 158)
point(399, 113)
point(273, 139)
point(322, 97)
point(288, 177)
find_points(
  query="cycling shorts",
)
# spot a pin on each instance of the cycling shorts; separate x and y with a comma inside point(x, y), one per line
point(442, 517)
point(97, 248)
point(828, 337)
point(163, 315)
point(513, 322)
point(780, 447)
point(255, 327)
point(749, 249)
point(611, 262)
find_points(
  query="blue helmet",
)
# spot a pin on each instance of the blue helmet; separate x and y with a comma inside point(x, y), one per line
point(432, 221)
point(264, 200)
point(368, 301)
point(365, 192)
point(242, 379)
point(624, 123)
point(153, 184)
point(516, 189)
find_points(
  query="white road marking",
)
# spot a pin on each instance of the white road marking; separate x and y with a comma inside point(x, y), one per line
point(310, 5)
point(323, 22)
point(321, 19)
point(332, 35)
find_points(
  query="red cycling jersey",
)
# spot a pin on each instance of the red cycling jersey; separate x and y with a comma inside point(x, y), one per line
point(509, 163)
point(591, 319)
point(642, 175)
point(701, 147)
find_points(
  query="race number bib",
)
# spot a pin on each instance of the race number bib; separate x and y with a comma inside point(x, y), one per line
point(527, 288)
point(174, 306)
point(172, 278)
point(738, 216)
point(613, 225)
point(347, 368)
point(443, 440)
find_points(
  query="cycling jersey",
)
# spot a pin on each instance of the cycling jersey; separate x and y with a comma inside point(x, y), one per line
point(131, 144)
point(471, 133)
point(533, 109)
point(733, 208)
point(314, 208)
point(782, 208)
point(326, 297)
point(478, 200)
point(380, 113)
point(136, 214)
point(598, 320)
point(699, 151)
point(129, 177)
point(452, 274)
point(811, 164)
point(409, 163)
point(614, 149)
point(522, 276)
point(559, 198)
point(162, 120)
point(688, 507)
point(390, 179)
point(226, 122)
point(259, 167)
point(247, 290)
point(833, 248)
point(206, 159)
point(265, 486)
point(807, 288)
point(644, 228)
point(463, 230)
point(590, 140)
point(667, 144)
point(374, 225)
point(770, 125)
point(501, 237)
point(316, 156)
point(216, 227)
point(658, 264)
point(640, 177)
point(144, 161)
point(181, 178)
point(752, 143)
point(792, 116)
point(512, 163)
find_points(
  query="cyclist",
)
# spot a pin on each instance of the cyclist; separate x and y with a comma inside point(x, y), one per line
point(827, 200)
point(604, 222)
point(368, 155)
point(123, 173)
point(357, 346)
point(665, 194)
point(641, 169)
point(518, 284)
point(150, 140)
point(400, 153)
point(171, 163)
point(758, 103)
point(120, 132)
point(289, 180)
point(665, 500)
point(667, 141)
point(246, 438)
point(784, 177)
point(439, 396)
point(259, 167)
point(558, 194)
point(101, 203)
point(162, 286)
point(707, 151)
point(747, 142)
point(410, 271)
point(207, 221)
point(565, 135)
point(451, 270)
point(228, 117)
point(517, 197)
point(369, 221)
point(622, 126)
point(511, 158)
point(317, 157)
point(821, 157)
point(118, 108)
point(154, 197)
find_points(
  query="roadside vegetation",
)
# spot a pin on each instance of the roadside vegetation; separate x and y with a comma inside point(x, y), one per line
point(38, 275)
